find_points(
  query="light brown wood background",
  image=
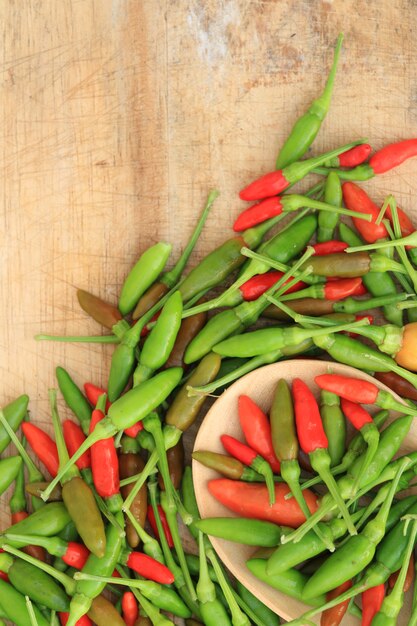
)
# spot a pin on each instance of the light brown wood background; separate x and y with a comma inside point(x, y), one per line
point(118, 116)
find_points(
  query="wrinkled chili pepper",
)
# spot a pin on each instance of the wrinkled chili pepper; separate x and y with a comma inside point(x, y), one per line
point(249, 457)
point(257, 430)
point(334, 616)
point(307, 126)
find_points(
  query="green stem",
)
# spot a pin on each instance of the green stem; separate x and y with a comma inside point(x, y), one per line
point(33, 473)
point(59, 439)
point(78, 338)
point(32, 616)
point(149, 469)
point(412, 273)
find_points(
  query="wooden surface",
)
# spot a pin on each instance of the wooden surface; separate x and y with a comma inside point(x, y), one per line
point(119, 115)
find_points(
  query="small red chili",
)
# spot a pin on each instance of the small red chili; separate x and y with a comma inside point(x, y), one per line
point(356, 199)
point(104, 462)
point(74, 437)
point(164, 522)
point(355, 413)
point(43, 446)
point(393, 155)
point(372, 600)
point(149, 568)
point(352, 389)
point(76, 555)
point(355, 156)
point(258, 213)
point(309, 424)
point(342, 288)
point(257, 430)
point(257, 285)
point(93, 393)
point(83, 621)
point(130, 609)
point(329, 247)
point(334, 616)
point(133, 430)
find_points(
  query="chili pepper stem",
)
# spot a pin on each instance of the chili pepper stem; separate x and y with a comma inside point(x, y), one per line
point(32, 616)
point(78, 338)
point(149, 469)
point(370, 434)
point(34, 474)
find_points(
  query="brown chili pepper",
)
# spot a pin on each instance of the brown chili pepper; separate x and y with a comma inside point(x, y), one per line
point(130, 464)
point(149, 298)
point(175, 457)
point(102, 312)
point(190, 327)
point(398, 384)
point(104, 613)
point(35, 489)
point(304, 306)
point(143, 621)
point(334, 616)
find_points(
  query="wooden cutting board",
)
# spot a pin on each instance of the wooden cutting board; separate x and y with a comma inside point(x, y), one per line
point(120, 115)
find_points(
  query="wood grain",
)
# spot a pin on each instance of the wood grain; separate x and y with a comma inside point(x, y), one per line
point(119, 116)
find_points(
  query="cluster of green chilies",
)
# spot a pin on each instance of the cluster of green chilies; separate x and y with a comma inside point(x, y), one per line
point(108, 517)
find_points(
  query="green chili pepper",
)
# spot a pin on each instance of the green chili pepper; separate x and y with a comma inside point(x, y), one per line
point(9, 470)
point(377, 283)
point(264, 613)
point(250, 532)
point(334, 425)
point(48, 521)
point(39, 586)
point(359, 173)
point(308, 125)
point(332, 195)
point(17, 502)
point(15, 606)
point(212, 611)
point(14, 413)
point(342, 265)
point(76, 401)
point(170, 279)
point(142, 275)
point(159, 343)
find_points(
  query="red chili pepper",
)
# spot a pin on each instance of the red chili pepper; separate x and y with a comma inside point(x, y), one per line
point(76, 555)
point(83, 621)
point(43, 446)
point(408, 579)
point(74, 437)
point(116, 574)
point(334, 616)
point(257, 430)
point(257, 285)
point(18, 517)
point(164, 522)
point(361, 290)
point(310, 429)
point(355, 413)
point(4, 576)
point(130, 609)
point(372, 600)
point(329, 247)
point(251, 500)
point(352, 389)
point(393, 155)
point(104, 462)
point(149, 568)
point(257, 213)
point(268, 185)
point(356, 199)
point(342, 288)
point(355, 156)
point(93, 393)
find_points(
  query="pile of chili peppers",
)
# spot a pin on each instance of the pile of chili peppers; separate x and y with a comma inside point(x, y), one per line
point(94, 535)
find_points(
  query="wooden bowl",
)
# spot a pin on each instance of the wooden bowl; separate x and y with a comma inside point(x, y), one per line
point(222, 418)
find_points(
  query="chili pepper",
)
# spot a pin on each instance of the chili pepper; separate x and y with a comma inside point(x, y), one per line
point(249, 532)
point(356, 264)
point(35, 489)
point(142, 275)
point(256, 286)
point(251, 500)
point(14, 412)
point(101, 311)
point(266, 209)
point(307, 126)
point(104, 462)
point(377, 283)
point(152, 521)
point(145, 621)
point(334, 616)
point(93, 394)
point(290, 582)
point(87, 590)
point(371, 603)
point(77, 495)
point(175, 457)
point(285, 444)
point(74, 437)
point(351, 558)
point(330, 246)
point(408, 579)
point(313, 441)
point(362, 421)
point(351, 158)
point(227, 466)
point(76, 401)
point(171, 278)
point(130, 463)
point(264, 613)
point(43, 446)
point(357, 199)
point(328, 221)
point(257, 430)
point(392, 155)
point(332, 290)
point(398, 384)
point(47, 521)
point(83, 621)
point(148, 567)
point(130, 608)
point(334, 426)
point(189, 328)
point(160, 342)
point(274, 338)
point(212, 611)
point(355, 389)
point(249, 457)
point(351, 352)
point(15, 606)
